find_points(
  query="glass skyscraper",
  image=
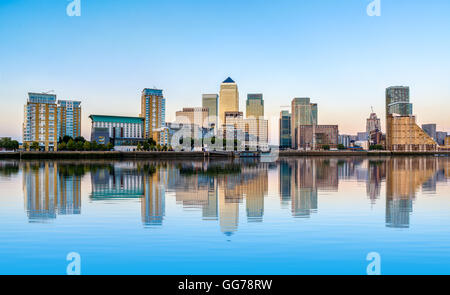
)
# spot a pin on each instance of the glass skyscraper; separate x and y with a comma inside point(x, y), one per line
point(397, 101)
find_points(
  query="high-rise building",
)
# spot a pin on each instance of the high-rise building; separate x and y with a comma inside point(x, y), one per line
point(430, 129)
point(41, 121)
point(228, 99)
point(196, 116)
point(69, 118)
point(397, 101)
point(303, 113)
point(211, 101)
point(255, 106)
point(402, 132)
point(373, 123)
point(285, 130)
point(153, 110)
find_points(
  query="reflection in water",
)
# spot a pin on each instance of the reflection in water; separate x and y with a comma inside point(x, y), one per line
point(50, 189)
point(220, 189)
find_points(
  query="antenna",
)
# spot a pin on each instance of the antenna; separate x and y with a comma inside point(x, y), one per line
point(372, 108)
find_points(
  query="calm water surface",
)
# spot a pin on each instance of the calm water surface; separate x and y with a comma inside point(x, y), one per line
point(295, 216)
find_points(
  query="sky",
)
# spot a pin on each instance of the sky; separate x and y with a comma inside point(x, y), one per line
point(331, 51)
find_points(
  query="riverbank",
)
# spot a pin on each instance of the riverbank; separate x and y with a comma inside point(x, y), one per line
point(199, 155)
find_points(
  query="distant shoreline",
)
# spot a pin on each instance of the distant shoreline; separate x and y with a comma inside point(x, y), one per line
point(199, 155)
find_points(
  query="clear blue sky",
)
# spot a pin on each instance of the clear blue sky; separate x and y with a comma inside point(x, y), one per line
point(329, 50)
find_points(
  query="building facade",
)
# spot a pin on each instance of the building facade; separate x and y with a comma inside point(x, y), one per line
point(228, 99)
point(285, 130)
point(254, 106)
point(397, 101)
point(303, 113)
point(69, 118)
point(153, 111)
point(197, 116)
point(314, 137)
point(211, 102)
point(403, 134)
point(121, 131)
point(430, 129)
point(41, 121)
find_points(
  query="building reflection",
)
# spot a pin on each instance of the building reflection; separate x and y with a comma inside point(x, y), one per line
point(50, 190)
point(302, 178)
point(227, 192)
point(153, 201)
point(404, 176)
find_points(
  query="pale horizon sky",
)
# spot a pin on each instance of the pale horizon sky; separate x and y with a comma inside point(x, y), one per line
point(330, 51)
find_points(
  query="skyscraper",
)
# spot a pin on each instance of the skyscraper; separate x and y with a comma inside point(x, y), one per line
point(285, 130)
point(153, 110)
point(228, 99)
point(303, 113)
point(255, 106)
point(397, 101)
point(402, 132)
point(41, 121)
point(211, 101)
point(69, 118)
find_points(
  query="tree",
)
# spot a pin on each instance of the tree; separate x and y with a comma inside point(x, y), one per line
point(66, 138)
point(109, 146)
point(35, 146)
point(139, 146)
point(341, 147)
point(79, 145)
point(146, 146)
point(25, 146)
point(62, 146)
point(94, 146)
point(87, 146)
point(80, 139)
point(326, 147)
point(71, 145)
point(14, 145)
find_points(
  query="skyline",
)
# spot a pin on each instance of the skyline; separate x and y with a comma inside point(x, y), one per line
point(102, 59)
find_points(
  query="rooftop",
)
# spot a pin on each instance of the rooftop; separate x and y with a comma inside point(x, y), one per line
point(228, 80)
point(115, 119)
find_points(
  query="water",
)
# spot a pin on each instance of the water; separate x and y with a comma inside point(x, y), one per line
point(295, 216)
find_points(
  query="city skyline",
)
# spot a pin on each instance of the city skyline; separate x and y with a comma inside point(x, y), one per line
point(293, 57)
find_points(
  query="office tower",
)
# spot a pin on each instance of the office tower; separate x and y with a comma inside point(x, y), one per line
point(256, 134)
point(69, 118)
point(397, 101)
point(373, 123)
point(116, 129)
point(195, 116)
point(255, 106)
point(285, 130)
point(402, 132)
point(153, 110)
point(430, 129)
point(211, 101)
point(41, 121)
point(228, 99)
point(303, 113)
